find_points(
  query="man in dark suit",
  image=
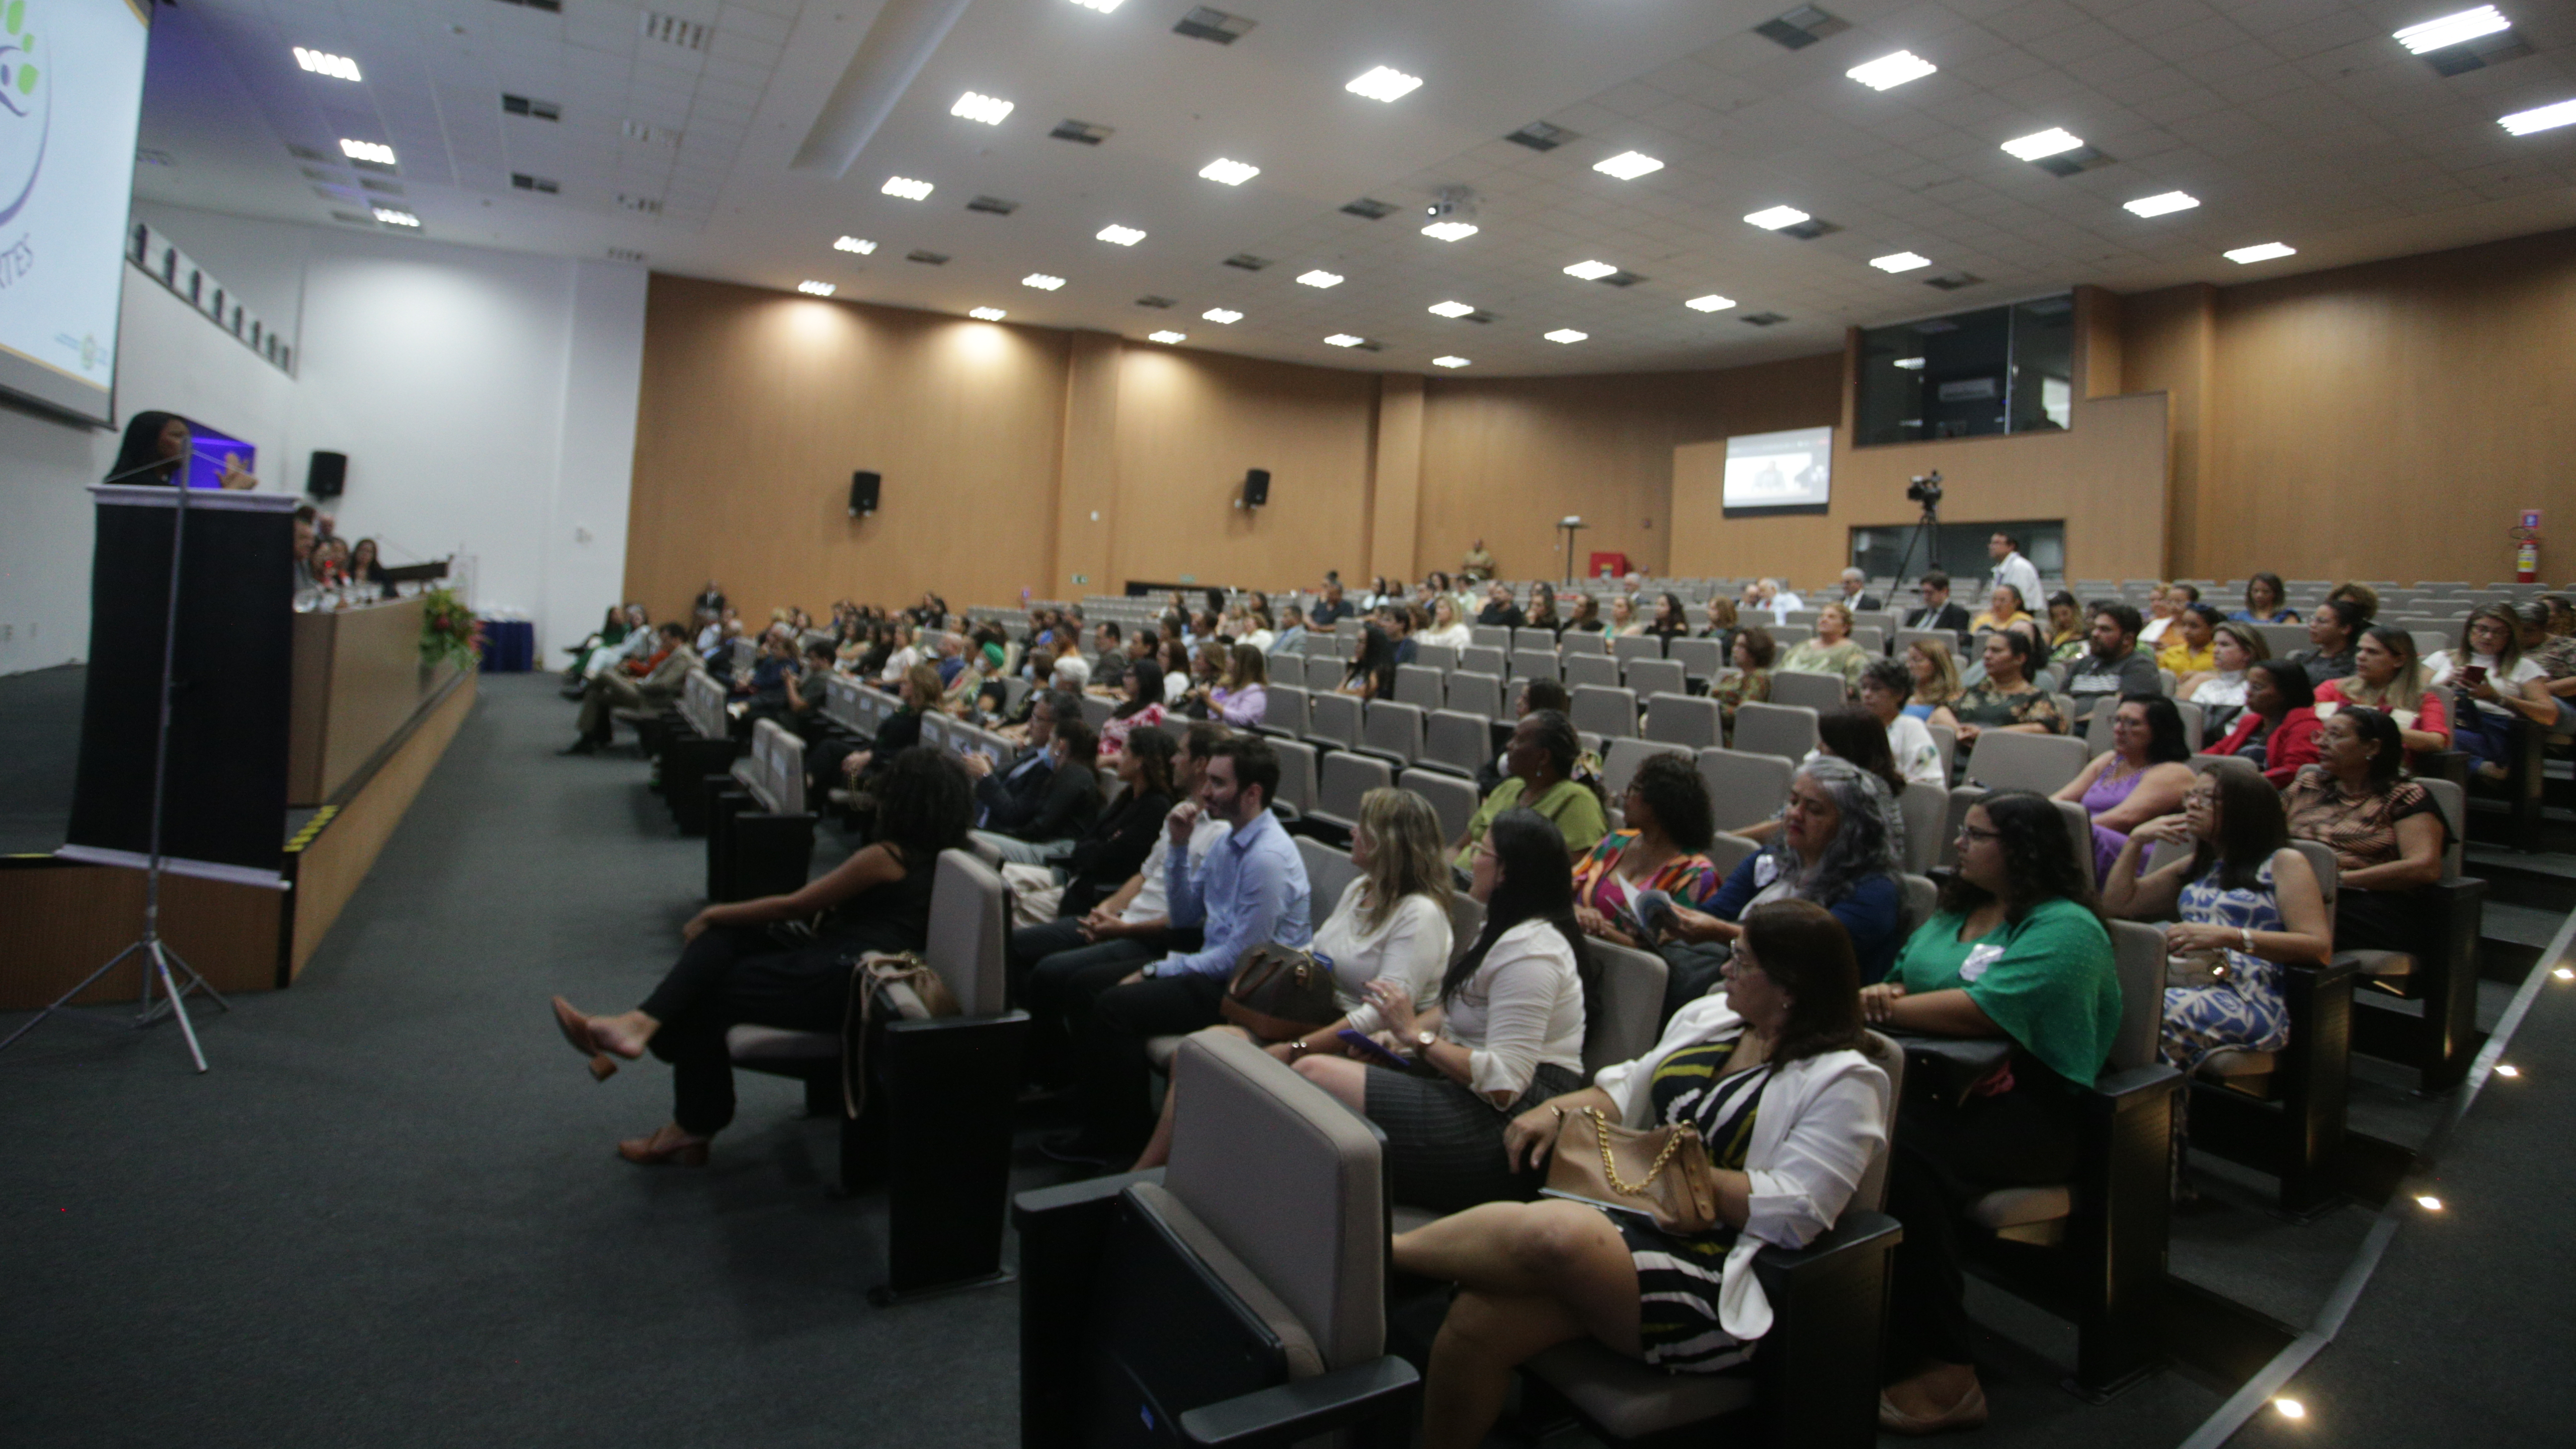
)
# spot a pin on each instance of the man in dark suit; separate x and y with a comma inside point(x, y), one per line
point(1032, 812)
point(1937, 611)
point(1855, 597)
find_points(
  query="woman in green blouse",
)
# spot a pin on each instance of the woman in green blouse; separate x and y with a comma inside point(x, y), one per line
point(2017, 954)
point(1542, 758)
point(1832, 651)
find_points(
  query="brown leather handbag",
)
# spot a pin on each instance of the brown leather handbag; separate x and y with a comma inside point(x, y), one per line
point(1663, 1172)
point(1279, 992)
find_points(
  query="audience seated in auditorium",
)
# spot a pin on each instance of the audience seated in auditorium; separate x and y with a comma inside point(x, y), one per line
point(2188, 646)
point(1253, 891)
point(1390, 924)
point(800, 706)
point(1397, 619)
point(1624, 621)
point(2164, 601)
point(610, 636)
point(1542, 613)
point(2388, 677)
point(917, 693)
point(1531, 696)
point(1505, 1034)
point(2011, 567)
point(1291, 635)
point(2364, 600)
point(2263, 595)
point(1771, 1076)
point(1477, 565)
point(1883, 692)
point(1661, 848)
point(1179, 674)
point(2005, 609)
point(1748, 681)
point(710, 604)
point(1855, 593)
point(1541, 758)
point(636, 640)
point(2247, 903)
point(1721, 626)
point(1776, 599)
point(1936, 610)
point(2017, 953)
point(1832, 651)
point(1447, 629)
point(1244, 696)
point(2332, 627)
point(735, 969)
point(1034, 814)
point(2065, 629)
point(2278, 728)
point(648, 681)
point(1141, 708)
point(1587, 615)
point(1933, 676)
point(2492, 686)
point(2142, 776)
point(2549, 640)
point(2006, 699)
point(1331, 609)
point(1499, 610)
point(2387, 833)
point(2220, 689)
point(1372, 671)
point(1670, 621)
point(2115, 667)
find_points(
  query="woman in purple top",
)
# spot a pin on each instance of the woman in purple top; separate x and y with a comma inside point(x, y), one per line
point(1245, 696)
point(2144, 775)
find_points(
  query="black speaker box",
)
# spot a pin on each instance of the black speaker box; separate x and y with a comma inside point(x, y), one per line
point(327, 474)
point(1256, 488)
point(863, 493)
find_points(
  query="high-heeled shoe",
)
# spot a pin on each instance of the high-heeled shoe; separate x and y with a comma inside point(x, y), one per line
point(1968, 1413)
point(576, 1029)
point(668, 1146)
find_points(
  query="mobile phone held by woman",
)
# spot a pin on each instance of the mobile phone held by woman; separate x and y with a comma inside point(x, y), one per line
point(1368, 1049)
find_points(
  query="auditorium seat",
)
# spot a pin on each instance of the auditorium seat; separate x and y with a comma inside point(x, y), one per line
point(760, 837)
point(1583, 669)
point(1744, 789)
point(1819, 692)
point(1296, 777)
point(1481, 695)
point(1620, 765)
point(1604, 710)
point(1480, 658)
point(1452, 799)
point(1283, 711)
point(1344, 778)
point(1926, 809)
point(1456, 742)
point(1682, 720)
point(1334, 719)
point(1656, 676)
point(1583, 641)
point(2439, 1033)
point(1328, 871)
point(1629, 648)
point(1785, 730)
point(1699, 658)
point(1532, 663)
point(1419, 685)
point(1392, 731)
point(2000, 760)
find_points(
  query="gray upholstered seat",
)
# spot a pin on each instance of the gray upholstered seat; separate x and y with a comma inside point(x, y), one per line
point(1785, 730)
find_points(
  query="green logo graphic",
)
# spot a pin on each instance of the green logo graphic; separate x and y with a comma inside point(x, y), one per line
point(26, 107)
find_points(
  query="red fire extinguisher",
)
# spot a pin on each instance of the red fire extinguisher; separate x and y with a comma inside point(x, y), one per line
point(2526, 548)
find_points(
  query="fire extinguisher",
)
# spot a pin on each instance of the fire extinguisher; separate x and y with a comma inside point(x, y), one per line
point(2526, 548)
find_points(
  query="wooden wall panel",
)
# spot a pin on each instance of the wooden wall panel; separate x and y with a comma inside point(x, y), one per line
point(2169, 344)
point(755, 407)
point(1395, 519)
point(63, 921)
point(1504, 458)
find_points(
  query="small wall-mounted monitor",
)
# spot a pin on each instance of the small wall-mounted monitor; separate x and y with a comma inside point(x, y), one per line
point(1772, 472)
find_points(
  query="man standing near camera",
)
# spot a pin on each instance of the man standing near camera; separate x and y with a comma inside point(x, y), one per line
point(2011, 568)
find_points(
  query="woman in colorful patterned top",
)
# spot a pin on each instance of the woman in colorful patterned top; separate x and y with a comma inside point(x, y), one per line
point(2006, 699)
point(1748, 682)
point(1669, 827)
point(2387, 834)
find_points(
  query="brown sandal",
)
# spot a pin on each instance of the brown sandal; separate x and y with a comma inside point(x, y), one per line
point(576, 1029)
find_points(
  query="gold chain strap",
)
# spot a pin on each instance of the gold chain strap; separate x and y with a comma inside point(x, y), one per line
point(1610, 1169)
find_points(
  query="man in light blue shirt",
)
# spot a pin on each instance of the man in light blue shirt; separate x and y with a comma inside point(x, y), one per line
point(1251, 892)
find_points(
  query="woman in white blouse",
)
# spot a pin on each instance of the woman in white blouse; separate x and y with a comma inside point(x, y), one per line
point(1506, 1031)
point(1446, 626)
point(1390, 926)
point(1781, 1047)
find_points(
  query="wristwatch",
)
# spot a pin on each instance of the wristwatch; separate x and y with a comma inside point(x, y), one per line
point(1151, 969)
point(1422, 1041)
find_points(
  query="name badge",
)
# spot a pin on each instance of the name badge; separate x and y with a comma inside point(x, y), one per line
point(1766, 869)
point(1979, 958)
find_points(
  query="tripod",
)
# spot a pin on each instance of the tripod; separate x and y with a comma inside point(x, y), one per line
point(1927, 532)
point(157, 957)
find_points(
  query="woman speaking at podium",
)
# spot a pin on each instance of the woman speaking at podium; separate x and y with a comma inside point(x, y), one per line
point(156, 450)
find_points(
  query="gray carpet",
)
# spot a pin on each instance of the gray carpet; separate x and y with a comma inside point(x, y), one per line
point(391, 1214)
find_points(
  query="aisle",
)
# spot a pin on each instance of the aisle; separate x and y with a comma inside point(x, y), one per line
point(391, 1214)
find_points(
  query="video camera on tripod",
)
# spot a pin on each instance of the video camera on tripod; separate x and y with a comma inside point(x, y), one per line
point(1925, 488)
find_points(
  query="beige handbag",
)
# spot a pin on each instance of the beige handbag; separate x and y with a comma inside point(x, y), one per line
point(912, 991)
point(1664, 1173)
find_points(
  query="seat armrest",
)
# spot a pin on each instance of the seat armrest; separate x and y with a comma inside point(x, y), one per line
point(1858, 1232)
point(1043, 1206)
point(1291, 1413)
point(2123, 1091)
point(2300, 976)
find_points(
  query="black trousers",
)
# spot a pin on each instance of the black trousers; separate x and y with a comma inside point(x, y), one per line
point(1055, 975)
point(1118, 1110)
point(732, 976)
point(1946, 1158)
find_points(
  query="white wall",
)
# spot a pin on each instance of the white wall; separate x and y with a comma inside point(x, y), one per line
point(486, 401)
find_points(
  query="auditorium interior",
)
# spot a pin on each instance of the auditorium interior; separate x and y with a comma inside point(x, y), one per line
point(1916, 655)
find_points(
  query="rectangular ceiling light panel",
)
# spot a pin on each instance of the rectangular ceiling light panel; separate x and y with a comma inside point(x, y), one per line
point(1320, 278)
point(861, 245)
point(1628, 165)
point(1895, 262)
point(2540, 118)
point(1449, 362)
point(1116, 235)
point(1343, 339)
point(1890, 71)
point(1449, 309)
point(1776, 217)
point(391, 217)
point(2162, 204)
point(1041, 281)
point(323, 62)
point(987, 314)
point(2262, 252)
point(2452, 29)
point(1591, 271)
point(1229, 173)
point(906, 187)
point(815, 289)
point(1710, 303)
point(1167, 337)
point(991, 110)
point(2043, 143)
point(1384, 83)
point(1565, 335)
point(1223, 316)
point(1450, 231)
point(376, 151)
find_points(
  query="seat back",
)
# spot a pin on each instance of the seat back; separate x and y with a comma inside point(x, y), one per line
point(2140, 951)
point(1888, 1057)
point(969, 926)
point(1490, 636)
point(1289, 1182)
point(2041, 763)
point(1096, 711)
point(2079, 838)
point(1819, 692)
point(1605, 710)
point(1583, 641)
point(1345, 778)
point(1296, 774)
point(1530, 663)
point(2455, 808)
point(1393, 728)
point(1785, 730)
point(1744, 789)
point(1726, 852)
point(1452, 799)
point(1328, 872)
point(1630, 647)
point(1419, 685)
point(1631, 1001)
point(1477, 694)
point(1583, 669)
point(1482, 657)
point(1441, 657)
point(1619, 765)
point(1657, 676)
point(1681, 719)
point(1334, 717)
point(1466, 922)
point(1457, 741)
point(1926, 808)
point(1284, 709)
point(2329, 871)
point(1698, 657)
point(1921, 899)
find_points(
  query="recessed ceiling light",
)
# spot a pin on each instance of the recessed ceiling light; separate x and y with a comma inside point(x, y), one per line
point(2449, 30)
point(1710, 303)
point(1343, 339)
point(323, 62)
point(854, 244)
point(2245, 256)
point(2043, 143)
point(391, 217)
point(815, 289)
point(2290, 1408)
point(2163, 203)
point(1167, 337)
point(1565, 334)
point(1776, 217)
point(1628, 165)
point(1041, 281)
point(1223, 315)
point(2428, 1202)
point(375, 151)
point(2507, 1069)
point(2543, 118)
point(1910, 364)
point(1103, 6)
point(1450, 230)
point(1384, 84)
point(1890, 71)
point(1125, 236)
point(988, 109)
point(1591, 271)
point(1449, 362)
point(1319, 278)
point(987, 314)
point(1232, 173)
point(1449, 309)
point(906, 187)
point(1900, 262)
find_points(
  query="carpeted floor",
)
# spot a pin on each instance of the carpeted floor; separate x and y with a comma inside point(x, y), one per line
point(391, 1214)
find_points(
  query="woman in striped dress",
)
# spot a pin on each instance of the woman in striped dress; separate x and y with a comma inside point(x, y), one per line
point(1771, 1075)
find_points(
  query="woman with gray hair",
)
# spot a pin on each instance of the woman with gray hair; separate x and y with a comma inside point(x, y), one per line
point(1833, 848)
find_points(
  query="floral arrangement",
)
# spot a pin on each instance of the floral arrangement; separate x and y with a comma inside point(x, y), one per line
point(449, 630)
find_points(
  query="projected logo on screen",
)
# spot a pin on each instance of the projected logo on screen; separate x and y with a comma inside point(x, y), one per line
point(1780, 470)
point(28, 97)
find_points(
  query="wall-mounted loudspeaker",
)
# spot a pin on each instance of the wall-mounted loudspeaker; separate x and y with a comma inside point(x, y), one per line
point(327, 474)
point(1256, 488)
point(863, 494)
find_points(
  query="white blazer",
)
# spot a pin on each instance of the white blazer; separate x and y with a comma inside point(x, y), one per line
point(1822, 1121)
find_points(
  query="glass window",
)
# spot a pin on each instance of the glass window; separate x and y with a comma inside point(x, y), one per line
point(1970, 374)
